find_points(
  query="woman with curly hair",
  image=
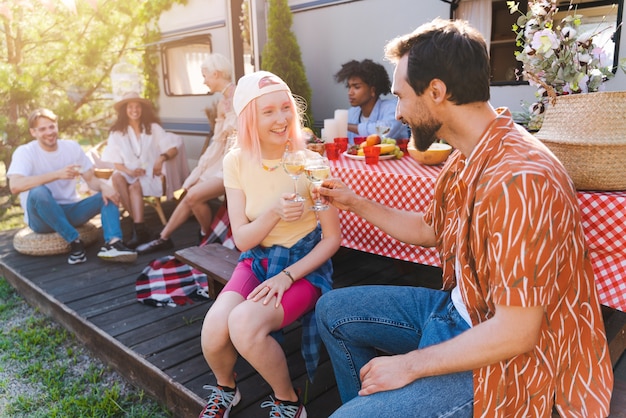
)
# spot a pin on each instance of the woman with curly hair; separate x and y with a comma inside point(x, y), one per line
point(366, 82)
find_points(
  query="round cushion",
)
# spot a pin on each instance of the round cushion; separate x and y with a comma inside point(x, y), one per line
point(26, 241)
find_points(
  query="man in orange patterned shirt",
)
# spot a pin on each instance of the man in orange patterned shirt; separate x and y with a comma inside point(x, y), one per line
point(517, 328)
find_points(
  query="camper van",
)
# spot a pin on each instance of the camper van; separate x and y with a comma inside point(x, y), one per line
point(329, 33)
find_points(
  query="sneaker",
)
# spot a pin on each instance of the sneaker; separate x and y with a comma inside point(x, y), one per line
point(117, 252)
point(155, 245)
point(220, 402)
point(284, 409)
point(77, 253)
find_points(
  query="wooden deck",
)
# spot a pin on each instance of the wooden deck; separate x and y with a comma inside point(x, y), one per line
point(158, 349)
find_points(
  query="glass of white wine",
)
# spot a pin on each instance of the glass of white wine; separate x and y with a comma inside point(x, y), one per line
point(317, 170)
point(293, 164)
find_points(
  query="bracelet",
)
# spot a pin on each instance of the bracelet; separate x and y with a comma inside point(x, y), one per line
point(288, 274)
point(164, 155)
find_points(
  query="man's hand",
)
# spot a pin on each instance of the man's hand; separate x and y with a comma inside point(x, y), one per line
point(337, 194)
point(384, 373)
point(109, 194)
point(70, 172)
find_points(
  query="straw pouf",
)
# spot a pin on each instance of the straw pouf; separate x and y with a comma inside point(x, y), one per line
point(26, 241)
point(587, 132)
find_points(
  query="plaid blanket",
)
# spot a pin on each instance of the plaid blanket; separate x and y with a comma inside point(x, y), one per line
point(168, 282)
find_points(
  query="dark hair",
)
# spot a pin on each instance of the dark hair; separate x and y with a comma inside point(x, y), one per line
point(369, 72)
point(148, 117)
point(41, 113)
point(449, 50)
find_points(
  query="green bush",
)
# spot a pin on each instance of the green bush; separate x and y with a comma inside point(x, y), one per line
point(281, 54)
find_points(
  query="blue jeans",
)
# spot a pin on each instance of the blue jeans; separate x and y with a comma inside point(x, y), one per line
point(355, 322)
point(46, 215)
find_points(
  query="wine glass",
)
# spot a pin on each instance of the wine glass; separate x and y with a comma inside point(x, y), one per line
point(293, 164)
point(317, 170)
point(382, 128)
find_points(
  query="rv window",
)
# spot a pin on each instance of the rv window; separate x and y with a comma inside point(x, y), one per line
point(181, 61)
point(597, 14)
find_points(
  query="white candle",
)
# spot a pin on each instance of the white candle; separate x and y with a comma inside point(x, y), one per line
point(330, 130)
point(341, 116)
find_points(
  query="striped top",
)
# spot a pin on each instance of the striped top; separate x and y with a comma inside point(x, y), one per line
point(512, 219)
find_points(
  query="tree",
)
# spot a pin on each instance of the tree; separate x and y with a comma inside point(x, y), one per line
point(59, 54)
point(281, 54)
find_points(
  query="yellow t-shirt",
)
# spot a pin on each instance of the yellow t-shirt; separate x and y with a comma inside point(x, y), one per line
point(262, 189)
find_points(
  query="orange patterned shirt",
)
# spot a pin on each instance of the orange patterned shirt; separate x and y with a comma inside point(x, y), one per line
point(509, 213)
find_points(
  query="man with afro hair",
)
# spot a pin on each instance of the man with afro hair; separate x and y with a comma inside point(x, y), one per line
point(366, 82)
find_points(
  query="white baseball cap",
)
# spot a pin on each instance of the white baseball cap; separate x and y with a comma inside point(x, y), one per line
point(251, 86)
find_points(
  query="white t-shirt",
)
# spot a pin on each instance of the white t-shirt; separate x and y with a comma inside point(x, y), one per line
point(32, 160)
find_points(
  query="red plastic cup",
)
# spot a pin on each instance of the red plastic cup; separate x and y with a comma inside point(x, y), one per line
point(332, 150)
point(358, 140)
point(343, 144)
point(402, 143)
point(372, 154)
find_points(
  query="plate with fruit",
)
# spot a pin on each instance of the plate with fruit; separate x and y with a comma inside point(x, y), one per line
point(388, 148)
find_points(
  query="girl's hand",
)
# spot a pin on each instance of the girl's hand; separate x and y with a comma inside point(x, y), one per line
point(289, 210)
point(275, 286)
point(157, 170)
point(137, 172)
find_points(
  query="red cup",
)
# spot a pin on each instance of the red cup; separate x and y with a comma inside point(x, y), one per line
point(358, 140)
point(343, 144)
point(372, 154)
point(332, 150)
point(402, 143)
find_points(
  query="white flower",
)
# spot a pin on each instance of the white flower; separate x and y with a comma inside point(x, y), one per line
point(544, 42)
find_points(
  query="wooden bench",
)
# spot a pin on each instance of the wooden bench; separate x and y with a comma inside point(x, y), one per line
point(214, 260)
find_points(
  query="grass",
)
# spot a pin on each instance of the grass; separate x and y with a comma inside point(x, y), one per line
point(44, 370)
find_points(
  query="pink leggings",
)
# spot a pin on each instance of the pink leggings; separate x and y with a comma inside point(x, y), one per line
point(299, 299)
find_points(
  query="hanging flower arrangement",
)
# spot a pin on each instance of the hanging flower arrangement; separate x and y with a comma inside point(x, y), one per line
point(558, 56)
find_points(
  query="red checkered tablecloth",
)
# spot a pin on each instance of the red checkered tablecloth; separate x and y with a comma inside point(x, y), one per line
point(406, 184)
point(403, 184)
point(604, 221)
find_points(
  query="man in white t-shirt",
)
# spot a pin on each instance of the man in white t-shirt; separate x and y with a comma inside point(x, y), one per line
point(44, 173)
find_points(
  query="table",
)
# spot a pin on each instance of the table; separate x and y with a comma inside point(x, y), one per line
point(402, 184)
point(604, 222)
point(406, 184)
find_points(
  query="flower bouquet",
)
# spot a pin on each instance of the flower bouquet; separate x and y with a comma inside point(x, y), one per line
point(586, 132)
point(558, 56)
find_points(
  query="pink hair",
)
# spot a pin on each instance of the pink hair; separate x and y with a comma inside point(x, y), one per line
point(248, 135)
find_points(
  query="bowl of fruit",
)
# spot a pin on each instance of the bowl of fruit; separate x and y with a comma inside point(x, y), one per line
point(388, 148)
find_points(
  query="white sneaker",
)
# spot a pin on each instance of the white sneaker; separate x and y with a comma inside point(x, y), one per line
point(117, 252)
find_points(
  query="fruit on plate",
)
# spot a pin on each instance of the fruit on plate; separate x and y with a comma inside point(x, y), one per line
point(353, 149)
point(386, 148)
point(372, 139)
point(435, 154)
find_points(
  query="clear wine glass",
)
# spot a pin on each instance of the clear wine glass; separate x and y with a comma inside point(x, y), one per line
point(382, 128)
point(293, 164)
point(317, 170)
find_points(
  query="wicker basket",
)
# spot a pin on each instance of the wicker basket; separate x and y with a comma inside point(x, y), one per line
point(28, 242)
point(587, 133)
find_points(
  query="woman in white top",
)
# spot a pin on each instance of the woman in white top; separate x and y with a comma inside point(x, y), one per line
point(206, 181)
point(138, 146)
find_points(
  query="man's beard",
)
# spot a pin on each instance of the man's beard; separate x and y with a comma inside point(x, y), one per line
point(425, 134)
